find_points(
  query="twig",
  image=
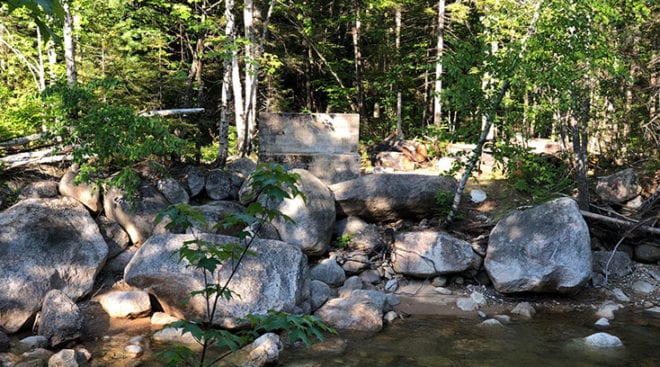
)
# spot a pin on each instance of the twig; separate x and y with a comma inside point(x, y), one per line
point(626, 223)
point(628, 232)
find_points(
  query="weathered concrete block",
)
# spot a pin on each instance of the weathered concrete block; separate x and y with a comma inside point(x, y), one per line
point(309, 133)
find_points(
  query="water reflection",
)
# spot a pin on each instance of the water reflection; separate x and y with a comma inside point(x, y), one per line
point(547, 340)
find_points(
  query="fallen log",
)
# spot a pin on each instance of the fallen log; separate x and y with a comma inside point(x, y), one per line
point(20, 141)
point(620, 222)
point(37, 157)
point(175, 111)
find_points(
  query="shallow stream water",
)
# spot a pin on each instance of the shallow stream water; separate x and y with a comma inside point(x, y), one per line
point(546, 340)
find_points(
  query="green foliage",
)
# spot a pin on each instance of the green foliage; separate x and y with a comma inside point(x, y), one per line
point(444, 200)
point(274, 183)
point(105, 137)
point(541, 176)
point(344, 241)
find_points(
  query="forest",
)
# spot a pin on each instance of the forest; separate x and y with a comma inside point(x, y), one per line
point(85, 74)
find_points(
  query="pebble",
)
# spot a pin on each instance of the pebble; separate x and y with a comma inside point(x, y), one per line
point(642, 287)
point(603, 322)
point(133, 350)
point(443, 290)
point(619, 295)
point(524, 309)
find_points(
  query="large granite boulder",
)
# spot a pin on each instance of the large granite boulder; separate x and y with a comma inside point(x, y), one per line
point(618, 187)
point(87, 193)
point(429, 253)
point(276, 277)
point(389, 197)
point(45, 244)
point(542, 249)
point(313, 218)
point(136, 216)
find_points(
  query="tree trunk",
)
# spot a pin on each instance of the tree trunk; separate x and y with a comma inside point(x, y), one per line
point(251, 61)
point(69, 45)
point(357, 52)
point(437, 98)
point(223, 128)
point(580, 143)
point(399, 99)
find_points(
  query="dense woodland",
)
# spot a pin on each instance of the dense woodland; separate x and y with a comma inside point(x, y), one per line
point(583, 72)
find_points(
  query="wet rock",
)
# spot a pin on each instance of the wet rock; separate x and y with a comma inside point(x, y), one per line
point(524, 309)
point(389, 197)
point(136, 216)
point(329, 272)
point(173, 191)
point(430, 253)
point(648, 252)
point(46, 244)
point(618, 187)
point(466, 304)
point(524, 256)
point(86, 193)
point(607, 309)
point(61, 319)
point(218, 185)
point(320, 293)
point(603, 340)
point(619, 295)
point(276, 277)
point(126, 304)
point(602, 323)
point(361, 311)
point(175, 336)
point(313, 218)
point(643, 287)
point(491, 323)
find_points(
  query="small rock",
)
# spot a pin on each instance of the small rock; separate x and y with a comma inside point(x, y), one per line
point(619, 295)
point(391, 300)
point(607, 309)
point(175, 336)
point(173, 191)
point(439, 281)
point(642, 287)
point(321, 292)
point(647, 252)
point(63, 358)
point(654, 311)
point(491, 323)
point(370, 277)
point(478, 298)
point(505, 319)
point(264, 350)
point(34, 342)
point(161, 318)
point(603, 322)
point(603, 340)
point(126, 304)
point(390, 317)
point(391, 285)
point(137, 340)
point(459, 280)
point(524, 309)
point(329, 272)
point(83, 355)
point(39, 353)
point(135, 351)
point(466, 304)
point(443, 290)
point(478, 196)
point(61, 319)
point(482, 315)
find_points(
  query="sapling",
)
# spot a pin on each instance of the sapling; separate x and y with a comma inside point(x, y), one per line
point(271, 183)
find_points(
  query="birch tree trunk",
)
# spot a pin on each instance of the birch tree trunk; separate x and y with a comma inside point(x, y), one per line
point(437, 99)
point(399, 101)
point(250, 78)
point(223, 128)
point(69, 45)
point(357, 52)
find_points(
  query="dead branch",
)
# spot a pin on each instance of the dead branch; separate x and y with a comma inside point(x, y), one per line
point(36, 157)
point(20, 141)
point(621, 222)
point(176, 111)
